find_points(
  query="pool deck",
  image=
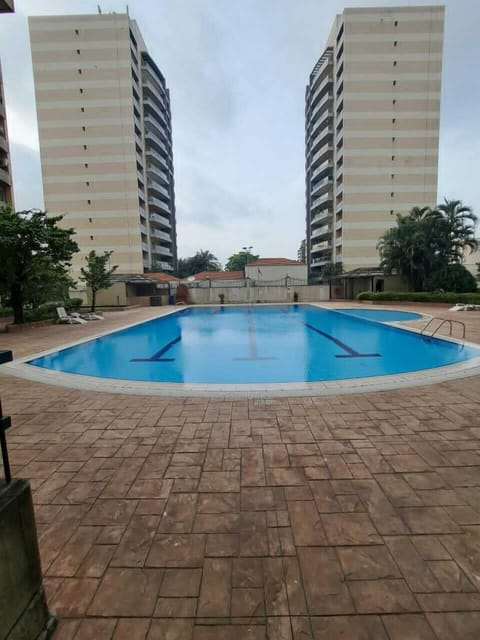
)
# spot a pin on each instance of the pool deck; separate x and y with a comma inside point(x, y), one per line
point(292, 518)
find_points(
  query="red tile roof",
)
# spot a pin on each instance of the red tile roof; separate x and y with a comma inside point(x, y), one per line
point(272, 262)
point(219, 275)
point(162, 277)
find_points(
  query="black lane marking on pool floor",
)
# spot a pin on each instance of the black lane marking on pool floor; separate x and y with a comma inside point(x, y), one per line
point(252, 341)
point(157, 357)
point(351, 353)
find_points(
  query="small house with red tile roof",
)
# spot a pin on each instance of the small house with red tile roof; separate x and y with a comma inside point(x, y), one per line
point(275, 269)
point(163, 277)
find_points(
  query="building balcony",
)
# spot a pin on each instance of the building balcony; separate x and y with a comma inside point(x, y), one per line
point(155, 108)
point(323, 136)
point(321, 200)
point(322, 154)
point(143, 229)
point(318, 90)
point(151, 137)
point(153, 185)
point(162, 251)
point(323, 216)
point(320, 186)
point(338, 241)
point(328, 96)
point(144, 246)
point(149, 151)
point(319, 123)
point(143, 213)
point(339, 224)
point(158, 204)
point(157, 127)
point(164, 266)
point(321, 231)
point(157, 174)
point(320, 262)
point(161, 235)
point(325, 165)
point(156, 218)
point(5, 177)
point(321, 246)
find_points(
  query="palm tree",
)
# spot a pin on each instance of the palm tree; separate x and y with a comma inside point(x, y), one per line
point(459, 228)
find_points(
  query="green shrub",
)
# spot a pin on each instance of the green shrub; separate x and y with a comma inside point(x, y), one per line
point(452, 277)
point(420, 296)
point(6, 312)
point(73, 304)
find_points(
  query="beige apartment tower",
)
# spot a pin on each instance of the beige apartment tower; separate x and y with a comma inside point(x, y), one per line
point(372, 126)
point(104, 121)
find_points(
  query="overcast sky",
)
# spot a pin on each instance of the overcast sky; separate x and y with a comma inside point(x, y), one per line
point(237, 71)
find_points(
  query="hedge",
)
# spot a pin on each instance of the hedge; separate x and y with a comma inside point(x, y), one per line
point(420, 296)
point(44, 311)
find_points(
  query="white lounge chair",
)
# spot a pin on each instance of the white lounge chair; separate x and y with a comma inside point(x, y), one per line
point(64, 318)
point(87, 316)
point(465, 307)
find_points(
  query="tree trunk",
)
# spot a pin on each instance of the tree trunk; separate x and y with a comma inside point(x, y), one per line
point(17, 303)
point(94, 299)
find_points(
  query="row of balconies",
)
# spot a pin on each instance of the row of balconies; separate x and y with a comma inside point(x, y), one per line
point(160, 204)
point(156, 218)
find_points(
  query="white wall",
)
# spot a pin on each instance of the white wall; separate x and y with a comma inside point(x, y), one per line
point(238, 295)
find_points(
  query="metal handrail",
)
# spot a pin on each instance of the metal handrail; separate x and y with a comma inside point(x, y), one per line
point(442, 322)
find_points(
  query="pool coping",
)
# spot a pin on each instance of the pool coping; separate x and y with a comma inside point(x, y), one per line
point(19, 368)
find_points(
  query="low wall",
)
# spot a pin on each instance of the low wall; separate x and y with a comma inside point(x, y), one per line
point(239, 295)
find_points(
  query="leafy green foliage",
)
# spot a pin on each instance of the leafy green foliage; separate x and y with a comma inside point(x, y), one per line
point(96, 274)
point(237, 261)
point(419, 296)
point(332, 269)
point(426, 241)
point(203, 260)
point(452, 277)
point(29, 242)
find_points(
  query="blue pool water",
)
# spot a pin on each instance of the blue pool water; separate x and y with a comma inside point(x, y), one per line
point(382, 315)
point(258, 344)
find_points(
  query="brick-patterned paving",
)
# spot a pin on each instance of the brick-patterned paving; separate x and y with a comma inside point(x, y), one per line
point(353, 517)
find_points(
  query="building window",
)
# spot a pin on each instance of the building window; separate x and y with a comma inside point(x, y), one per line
point(89, 202)
point(86, 165)
point(83, 128)
point(393, 120)
point(81, 90)
point(393, 139)
point(395, 24)
point(393, 176)
point(91, 237)
point(391, 194)
point(394, 63)
point(79, 71)
point(391, 212)
point(395, 43)
point(393, 157)
point(82, 109)
point(394, 83)
point(87, 183)
point(85, 147)
point(394, 102)
point(78, 52)
point(76, 32)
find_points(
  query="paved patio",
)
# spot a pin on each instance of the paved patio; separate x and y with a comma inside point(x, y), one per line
point(353, 517)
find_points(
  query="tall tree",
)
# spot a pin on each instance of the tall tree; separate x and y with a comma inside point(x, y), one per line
point(459, 223)
point(96, 275)
point(203, 260)
point(27, 239)
point(238, 261)
point(426, 242)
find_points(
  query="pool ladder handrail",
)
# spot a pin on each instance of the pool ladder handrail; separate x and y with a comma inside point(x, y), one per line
point(442, 322)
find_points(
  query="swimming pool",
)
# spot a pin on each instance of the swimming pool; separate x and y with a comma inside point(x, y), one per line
point(382, 315)
point(256, 344)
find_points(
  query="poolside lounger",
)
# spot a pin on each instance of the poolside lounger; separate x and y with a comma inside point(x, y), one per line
point(458, 307)
point(87, 316)
point(64, 318)
point(465, 307)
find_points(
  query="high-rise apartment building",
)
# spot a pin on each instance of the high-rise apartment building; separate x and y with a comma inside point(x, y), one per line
point(104, 121)
point(6, 193)
point(372, 126)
